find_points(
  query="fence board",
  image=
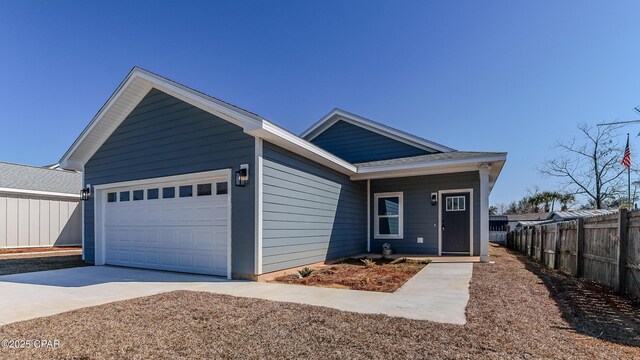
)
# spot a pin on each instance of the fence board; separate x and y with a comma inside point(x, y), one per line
point(588, 247)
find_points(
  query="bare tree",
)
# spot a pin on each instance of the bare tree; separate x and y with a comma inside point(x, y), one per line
point(590, 165)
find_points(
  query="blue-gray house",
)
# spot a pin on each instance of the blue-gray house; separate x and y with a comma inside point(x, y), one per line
point(178, 180)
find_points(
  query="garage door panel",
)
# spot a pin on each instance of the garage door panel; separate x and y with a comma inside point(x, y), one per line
point(187, 234)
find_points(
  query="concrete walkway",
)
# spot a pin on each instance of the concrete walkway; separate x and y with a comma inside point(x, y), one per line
point(439, 292)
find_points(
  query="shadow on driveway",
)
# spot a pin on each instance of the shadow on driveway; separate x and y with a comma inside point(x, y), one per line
point(20, 265)
point(95, 275)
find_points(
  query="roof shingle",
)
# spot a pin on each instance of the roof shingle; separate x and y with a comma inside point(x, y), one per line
point(26, 177)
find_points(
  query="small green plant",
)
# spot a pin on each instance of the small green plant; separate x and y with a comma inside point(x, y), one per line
point(368, 262)
point(304, 272)
point(425, 262)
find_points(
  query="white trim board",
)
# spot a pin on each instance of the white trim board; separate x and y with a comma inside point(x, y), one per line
point(100, 200)
point(338, 114)
point(451, 191)
point(38, 192)
point(258, 206)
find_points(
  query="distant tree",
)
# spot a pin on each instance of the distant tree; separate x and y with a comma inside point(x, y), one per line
point(590, 166)
point(566, 199)
point(493, 210)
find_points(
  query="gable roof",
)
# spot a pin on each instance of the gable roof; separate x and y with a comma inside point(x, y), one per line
point(18, 178)
point(139, 82)
point(338, 114)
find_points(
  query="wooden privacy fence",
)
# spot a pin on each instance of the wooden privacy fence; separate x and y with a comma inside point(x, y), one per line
point(605, 249)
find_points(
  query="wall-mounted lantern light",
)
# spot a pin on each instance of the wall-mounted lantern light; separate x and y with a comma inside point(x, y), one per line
point(85, 194)
point(434, 199)
point(242, 175)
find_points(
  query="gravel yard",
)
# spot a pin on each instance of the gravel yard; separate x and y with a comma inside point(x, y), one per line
point(516, 310)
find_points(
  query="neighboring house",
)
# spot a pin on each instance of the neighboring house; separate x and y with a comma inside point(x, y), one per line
point(39, 207)
point(558, 216)
point(498, 228)
point(515, 219)
point(185, 182)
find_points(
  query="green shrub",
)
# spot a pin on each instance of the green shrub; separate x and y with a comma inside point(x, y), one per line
point(425, 262)
point(304, 272)
point(368, 262)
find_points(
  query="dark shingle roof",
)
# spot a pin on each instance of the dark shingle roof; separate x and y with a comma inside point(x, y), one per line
point(452, 155)
point(26, 177)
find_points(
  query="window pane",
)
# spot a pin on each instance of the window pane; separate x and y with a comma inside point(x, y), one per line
point(152, 194)
point(204, 189)
point(112, 197)
point(138, 195)
point(455, 203)
point(221, 188)
point(388, 205)
point(461, 203)
point(389, 226)
point(168, 192)
point(186, 190)
point(124, 196)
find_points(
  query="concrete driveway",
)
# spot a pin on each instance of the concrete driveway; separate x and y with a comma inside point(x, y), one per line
point(439, 292)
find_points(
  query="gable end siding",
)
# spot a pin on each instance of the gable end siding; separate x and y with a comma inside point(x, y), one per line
point(355, 144)
point(164, 136)
point(310, 213)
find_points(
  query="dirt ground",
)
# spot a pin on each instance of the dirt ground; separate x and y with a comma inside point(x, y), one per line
point(38, 249)
point(516, 310)
point(27, 262)
point(385, 276)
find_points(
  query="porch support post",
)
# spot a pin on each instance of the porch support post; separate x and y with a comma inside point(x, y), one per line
point(484, 212)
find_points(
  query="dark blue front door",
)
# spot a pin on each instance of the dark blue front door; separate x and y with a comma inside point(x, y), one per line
point(456, 220)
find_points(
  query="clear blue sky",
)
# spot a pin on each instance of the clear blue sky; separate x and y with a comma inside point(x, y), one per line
point(507, 75)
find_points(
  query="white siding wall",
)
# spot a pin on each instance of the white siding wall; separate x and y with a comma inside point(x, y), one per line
point(30, 221)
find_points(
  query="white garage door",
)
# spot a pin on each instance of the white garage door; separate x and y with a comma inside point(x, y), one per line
point(176, 226)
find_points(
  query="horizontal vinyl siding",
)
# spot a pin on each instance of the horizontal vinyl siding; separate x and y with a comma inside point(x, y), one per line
point(310, 213)
point(33, 221)
point(356, 145)
point(164, 136)
point(420, 217)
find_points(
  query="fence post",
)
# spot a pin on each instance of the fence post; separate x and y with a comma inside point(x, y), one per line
point(532, 242)
point(556, 250)
point(543, 236)
point(623, 234)
point(580, 248)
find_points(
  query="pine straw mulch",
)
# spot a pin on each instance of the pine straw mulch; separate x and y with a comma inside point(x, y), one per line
point(385, 276)
point(516, 310)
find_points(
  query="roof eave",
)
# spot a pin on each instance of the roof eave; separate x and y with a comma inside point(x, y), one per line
point(496, 162)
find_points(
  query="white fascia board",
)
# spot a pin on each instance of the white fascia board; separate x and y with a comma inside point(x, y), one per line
point(38, 192)
point(430, 168)
point(338, 114)
point(294, 143)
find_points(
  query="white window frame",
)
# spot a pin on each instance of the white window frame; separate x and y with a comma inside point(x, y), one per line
point(377, 217)
point(464, 202)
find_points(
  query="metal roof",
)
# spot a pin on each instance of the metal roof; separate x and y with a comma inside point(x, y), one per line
point(25, 177)
point(452, 155)
point(575, 214)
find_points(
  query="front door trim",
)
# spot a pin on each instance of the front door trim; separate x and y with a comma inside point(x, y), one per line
point(442, 192)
